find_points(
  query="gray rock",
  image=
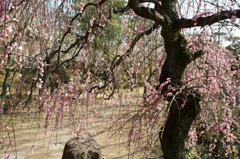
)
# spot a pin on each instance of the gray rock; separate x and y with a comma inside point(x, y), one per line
point(82, 148)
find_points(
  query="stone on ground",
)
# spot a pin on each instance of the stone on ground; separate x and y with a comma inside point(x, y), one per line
point(82, 148)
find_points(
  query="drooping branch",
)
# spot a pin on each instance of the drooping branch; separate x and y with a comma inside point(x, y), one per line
point(203, 21)
point(133, 43)
point(85, 7)
point(119, 59)
point(83, 40)
point(70, 27)
point(79, 42)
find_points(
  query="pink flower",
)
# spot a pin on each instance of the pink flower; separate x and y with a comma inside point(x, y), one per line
point(70, 88)
point(14, 44)
point(194, 18)
point(67, 6)
point(4, 34)
point(169, 87)
point(41, 70)
point(8, 51)
point(234, 17)
point(7, 17)
point(9, 29)
point(20, 48)
point(169, 94)
point(29, 28)
point(19, 76)
point(91, 22)
point(159, 107)
point(45, 36)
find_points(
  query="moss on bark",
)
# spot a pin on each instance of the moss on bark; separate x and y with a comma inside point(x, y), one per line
point(180, 120)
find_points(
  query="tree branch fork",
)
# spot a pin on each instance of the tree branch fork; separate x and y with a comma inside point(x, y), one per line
point(159, 16)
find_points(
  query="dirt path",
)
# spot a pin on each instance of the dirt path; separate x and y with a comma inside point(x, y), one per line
point(26, 137)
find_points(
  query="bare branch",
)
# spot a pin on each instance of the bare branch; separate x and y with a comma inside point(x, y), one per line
point(156, 2)
point(148, 13)
point(133, 43)
point(69, 28)
point(203, 21)
point(198, 54)
point(120, 10)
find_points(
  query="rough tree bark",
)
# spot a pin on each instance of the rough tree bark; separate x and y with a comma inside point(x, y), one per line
point(176, 128)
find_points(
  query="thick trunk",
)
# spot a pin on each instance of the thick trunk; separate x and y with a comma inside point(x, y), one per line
point(176, 128)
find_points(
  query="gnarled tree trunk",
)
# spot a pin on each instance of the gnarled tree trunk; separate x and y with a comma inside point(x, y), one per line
point(176, 128)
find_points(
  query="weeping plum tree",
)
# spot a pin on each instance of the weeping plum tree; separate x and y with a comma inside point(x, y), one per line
point(48, 37)
point(165, 14)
